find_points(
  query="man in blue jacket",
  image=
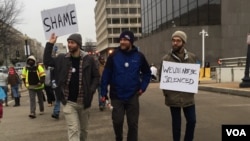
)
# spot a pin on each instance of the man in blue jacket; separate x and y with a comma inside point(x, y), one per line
point(128, 74)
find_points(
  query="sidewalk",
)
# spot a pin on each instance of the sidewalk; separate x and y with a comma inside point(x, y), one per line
point(225, 87)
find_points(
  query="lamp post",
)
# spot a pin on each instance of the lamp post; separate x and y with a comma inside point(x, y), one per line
point(204, 34)
point(246, 80)
point(6, 56)
point(26, 47)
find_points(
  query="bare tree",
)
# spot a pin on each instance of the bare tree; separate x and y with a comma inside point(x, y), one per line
point(9, 12)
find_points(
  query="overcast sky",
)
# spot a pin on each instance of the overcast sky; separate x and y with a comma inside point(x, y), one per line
point(31, 21)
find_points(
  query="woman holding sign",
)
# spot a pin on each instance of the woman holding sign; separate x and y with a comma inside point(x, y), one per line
point(179, 99)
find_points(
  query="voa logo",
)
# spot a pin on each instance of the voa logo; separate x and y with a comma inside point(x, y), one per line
point(236, 132)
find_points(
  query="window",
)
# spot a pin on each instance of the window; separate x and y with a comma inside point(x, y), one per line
point(158, 13)
point(116, 31)
point(184, 12)
point(109, 21)
point(203, 12)
point(133, 20)
point(124, 10)
point(116, 40)
point(110, 40)
point(193, 19)
point(124, 20)
point(134, 30)
point(153, 7)
point(169, 10)
point(132, 10)
point(164, 11)
point(132, 2)
point(124, 2)
point(108, 11)
point(116, 21)
point(115, 10)
point(115, 1)
point(110, 30)
point(176, 8)
point(123, 29)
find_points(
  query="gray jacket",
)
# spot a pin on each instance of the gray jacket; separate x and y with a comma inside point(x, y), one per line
point(62, 64)
point(177, 98)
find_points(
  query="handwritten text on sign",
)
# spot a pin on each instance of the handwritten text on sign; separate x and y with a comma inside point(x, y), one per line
point(61, 21)
point(180, 77)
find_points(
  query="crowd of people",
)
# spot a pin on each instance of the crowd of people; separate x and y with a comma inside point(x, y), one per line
point(121, 79)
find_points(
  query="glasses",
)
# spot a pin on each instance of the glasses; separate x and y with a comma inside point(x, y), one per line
point(176, 40)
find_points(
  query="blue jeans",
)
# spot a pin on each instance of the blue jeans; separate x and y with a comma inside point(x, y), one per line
point(15, 90)
point(190, 116)
point(56, 110)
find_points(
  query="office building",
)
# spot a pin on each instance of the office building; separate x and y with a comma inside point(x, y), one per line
point(112, 17)
point(225, 22)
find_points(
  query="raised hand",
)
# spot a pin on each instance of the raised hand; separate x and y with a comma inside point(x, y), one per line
point(53, 38)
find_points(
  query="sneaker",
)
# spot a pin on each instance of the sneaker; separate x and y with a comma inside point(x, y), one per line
point(55, 116)
point(50, 105)
point(41, 113)
point(32, 115)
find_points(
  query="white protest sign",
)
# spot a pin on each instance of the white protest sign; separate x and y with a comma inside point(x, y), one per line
point(61, 21)
point(180, 77)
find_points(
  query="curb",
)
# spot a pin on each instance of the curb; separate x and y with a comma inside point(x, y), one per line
point(245, 93)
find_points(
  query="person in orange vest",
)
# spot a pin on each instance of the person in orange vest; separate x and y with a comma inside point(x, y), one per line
point(33, 77)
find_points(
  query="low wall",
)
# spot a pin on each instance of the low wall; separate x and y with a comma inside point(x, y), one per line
point(229, 74)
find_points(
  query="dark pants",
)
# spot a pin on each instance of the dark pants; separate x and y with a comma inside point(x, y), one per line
point(49, 94)
point(190, 116)
point(131, 109)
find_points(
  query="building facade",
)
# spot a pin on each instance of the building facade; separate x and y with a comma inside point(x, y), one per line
point(112, 17)
point(225, 21)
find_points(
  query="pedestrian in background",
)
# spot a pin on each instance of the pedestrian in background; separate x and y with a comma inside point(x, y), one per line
point(101, 64)
point(128, 74)
point(4, 85)
point(33, 76)
point(76, 80)
point(2, 98)
point(47, 87)
point(177, 100)
point(153, 72)
point(14, 81)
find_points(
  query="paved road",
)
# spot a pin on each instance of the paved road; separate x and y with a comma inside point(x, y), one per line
point(213, 110)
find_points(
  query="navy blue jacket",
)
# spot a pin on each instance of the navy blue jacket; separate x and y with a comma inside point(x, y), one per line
point(126, 73)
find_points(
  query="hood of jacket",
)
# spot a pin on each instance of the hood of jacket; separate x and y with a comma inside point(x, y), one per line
point(31, 58)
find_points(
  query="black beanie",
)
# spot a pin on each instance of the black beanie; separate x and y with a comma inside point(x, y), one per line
point(128, 35)
point(77, 38)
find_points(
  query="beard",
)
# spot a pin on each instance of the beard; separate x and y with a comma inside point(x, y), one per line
point(73, 50)
point(125, 47)
point(176, 48)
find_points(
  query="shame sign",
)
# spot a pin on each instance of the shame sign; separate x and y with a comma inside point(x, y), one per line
point(61, 20)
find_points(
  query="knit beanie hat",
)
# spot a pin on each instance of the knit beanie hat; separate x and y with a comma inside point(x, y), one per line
point(128, 35)
point(77, 38)
point(180, 34)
